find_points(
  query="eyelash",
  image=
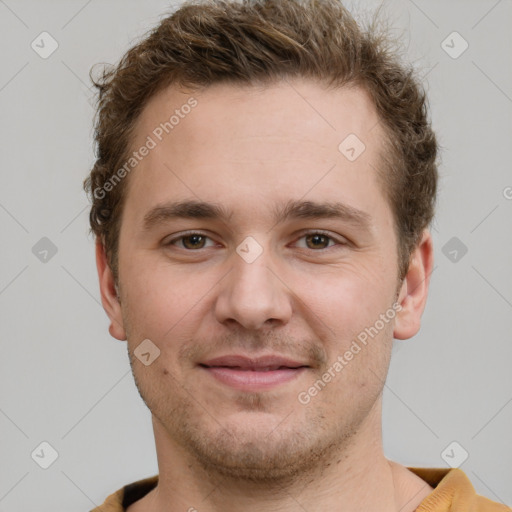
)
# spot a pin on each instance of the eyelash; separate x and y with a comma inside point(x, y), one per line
point(304, 234)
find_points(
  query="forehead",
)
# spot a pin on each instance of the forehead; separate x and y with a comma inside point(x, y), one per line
point(300, 109)
point(277, 142)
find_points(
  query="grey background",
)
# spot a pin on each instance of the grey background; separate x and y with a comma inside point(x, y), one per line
point(65, 381)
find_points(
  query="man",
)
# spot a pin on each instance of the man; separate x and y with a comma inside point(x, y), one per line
point(265, 179)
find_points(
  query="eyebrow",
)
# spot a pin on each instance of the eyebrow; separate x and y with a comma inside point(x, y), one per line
point(293, 209)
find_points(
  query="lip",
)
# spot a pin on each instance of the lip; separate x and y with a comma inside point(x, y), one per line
point(253, 363)
point(253, 374)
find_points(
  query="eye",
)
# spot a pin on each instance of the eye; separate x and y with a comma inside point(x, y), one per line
point(189, 241)
point(314, 240)
point(320, 240)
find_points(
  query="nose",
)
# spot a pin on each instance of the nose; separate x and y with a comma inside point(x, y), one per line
point(253, 296)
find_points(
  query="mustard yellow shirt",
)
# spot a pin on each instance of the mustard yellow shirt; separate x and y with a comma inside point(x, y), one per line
point(452, 492)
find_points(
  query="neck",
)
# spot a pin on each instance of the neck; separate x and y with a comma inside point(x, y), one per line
point(356, 475)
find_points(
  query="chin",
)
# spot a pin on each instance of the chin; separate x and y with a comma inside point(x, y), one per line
point(266, 452)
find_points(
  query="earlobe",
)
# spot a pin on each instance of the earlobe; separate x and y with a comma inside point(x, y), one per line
point(109, 296)
point(414, 291)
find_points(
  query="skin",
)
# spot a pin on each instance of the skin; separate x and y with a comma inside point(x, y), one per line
point(220, 449)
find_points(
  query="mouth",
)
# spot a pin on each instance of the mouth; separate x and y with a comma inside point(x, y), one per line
point(253, 374)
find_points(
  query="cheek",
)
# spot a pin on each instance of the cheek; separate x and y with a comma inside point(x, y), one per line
point(154, 299)
point(162, 302)
point(347, 296)
point(345, 311)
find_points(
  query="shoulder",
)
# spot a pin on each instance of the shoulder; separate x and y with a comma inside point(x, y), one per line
point(453, 492)
point(123, 499)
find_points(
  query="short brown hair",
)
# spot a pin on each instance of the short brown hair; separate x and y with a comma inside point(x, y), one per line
point(265, 41)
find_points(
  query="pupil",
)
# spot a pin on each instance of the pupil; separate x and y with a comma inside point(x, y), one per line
point(194, 239)
point(317, 238)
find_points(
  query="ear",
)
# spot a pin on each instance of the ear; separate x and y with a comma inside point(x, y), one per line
point(413, 293)
point(109, 297)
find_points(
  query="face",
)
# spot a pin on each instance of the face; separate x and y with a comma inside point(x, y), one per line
point(248, 232)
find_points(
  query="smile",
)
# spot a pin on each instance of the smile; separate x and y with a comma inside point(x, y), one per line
point(248, 379)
